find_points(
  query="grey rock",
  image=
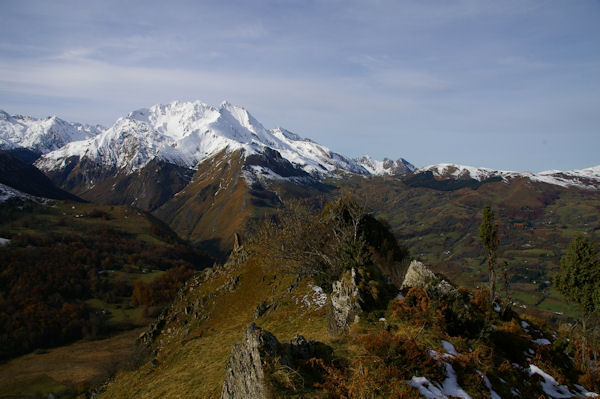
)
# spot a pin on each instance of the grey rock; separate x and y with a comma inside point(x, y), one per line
point(418, 275)
point(444, 288)
point(345, 304)
point(250, 361)
point(262, 308)
point(237, 242)
point(231, 284)
point(245, 372)
point(147, 337)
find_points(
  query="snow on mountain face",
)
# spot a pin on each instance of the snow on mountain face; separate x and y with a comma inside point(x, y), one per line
point(185, 133)
point(41, 135)
point(449, 170)
point(386, 167)
point(584, 178)
point(7, 192)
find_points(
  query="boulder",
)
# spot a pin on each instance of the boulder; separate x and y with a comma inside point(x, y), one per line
point(444, 288)
point(418, 275)
point(302, 349)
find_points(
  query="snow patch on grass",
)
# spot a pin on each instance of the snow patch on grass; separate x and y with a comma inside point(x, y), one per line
point(449, 348)
point(315, 299)
point(549, 385)
point(541, 341)
point(448, 389)
point(488, 384)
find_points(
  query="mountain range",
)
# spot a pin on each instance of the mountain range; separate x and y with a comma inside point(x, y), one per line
point(187, 133)
point(205, 170)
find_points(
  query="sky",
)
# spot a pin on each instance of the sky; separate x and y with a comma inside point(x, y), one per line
point(512, 85)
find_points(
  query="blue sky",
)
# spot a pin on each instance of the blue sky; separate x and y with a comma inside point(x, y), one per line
point(503, 84)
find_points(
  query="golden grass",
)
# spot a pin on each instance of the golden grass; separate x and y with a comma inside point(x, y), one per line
point(83, 362)
point(196, 367)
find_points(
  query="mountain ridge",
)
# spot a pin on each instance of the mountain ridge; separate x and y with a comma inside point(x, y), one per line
point(187, 133)
point(588, 178)
point(41, 135)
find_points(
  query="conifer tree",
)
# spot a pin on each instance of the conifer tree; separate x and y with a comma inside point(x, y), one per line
point(579, 281)
point(488, 233)
point(579, 277)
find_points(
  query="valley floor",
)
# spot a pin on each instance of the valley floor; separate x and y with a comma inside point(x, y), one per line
point(68, 367)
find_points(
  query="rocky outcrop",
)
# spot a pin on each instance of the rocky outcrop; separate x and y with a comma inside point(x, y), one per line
point(147, 337)
point(263, 308)
point(345, 304)
point(247, 372)
point(418, 275)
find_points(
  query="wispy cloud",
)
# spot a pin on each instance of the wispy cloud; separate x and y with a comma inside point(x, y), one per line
point(409, 78)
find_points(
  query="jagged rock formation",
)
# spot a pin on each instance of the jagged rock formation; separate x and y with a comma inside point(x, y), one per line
point(250, 362)
point(263, 308)
point(345, 304)
point(245, 374)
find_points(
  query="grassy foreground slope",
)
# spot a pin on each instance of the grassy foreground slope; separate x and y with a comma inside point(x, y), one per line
point(194, 347)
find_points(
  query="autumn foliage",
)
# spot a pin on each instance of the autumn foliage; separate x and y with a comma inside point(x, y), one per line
point(46, 277)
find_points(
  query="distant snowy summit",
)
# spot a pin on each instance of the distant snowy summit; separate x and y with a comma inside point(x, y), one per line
point(186, 133)
point(386, 167)
point(588, 178)
point(41, 135)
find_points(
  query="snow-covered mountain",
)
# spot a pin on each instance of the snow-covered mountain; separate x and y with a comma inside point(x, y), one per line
point(588, 178)
point(41, 135)
point(386, 167)
point(186, 133)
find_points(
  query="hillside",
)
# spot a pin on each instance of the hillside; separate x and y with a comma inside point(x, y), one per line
point(28, 179)
point(430, 340)
point(72, 270)
point(440, 227)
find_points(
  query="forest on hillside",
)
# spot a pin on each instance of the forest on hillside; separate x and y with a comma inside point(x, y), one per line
point(48, 272)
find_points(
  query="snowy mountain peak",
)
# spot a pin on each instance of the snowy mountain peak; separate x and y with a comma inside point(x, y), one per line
point(3, 115)
point(456, 171)
point(185, 133)
point(41, 135)
point(588, 178)
point(286, 134)
point(386, 167)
